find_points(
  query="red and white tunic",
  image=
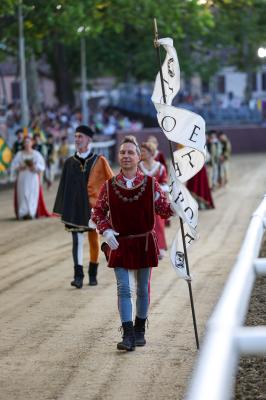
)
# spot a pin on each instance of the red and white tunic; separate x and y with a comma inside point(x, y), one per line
point(131, 212)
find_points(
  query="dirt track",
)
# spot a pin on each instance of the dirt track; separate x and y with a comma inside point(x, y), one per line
point(60, 343)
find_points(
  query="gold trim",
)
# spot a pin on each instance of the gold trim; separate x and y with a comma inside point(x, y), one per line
point(83, 167)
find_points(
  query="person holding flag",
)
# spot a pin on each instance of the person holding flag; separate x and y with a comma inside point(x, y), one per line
point(125, 215)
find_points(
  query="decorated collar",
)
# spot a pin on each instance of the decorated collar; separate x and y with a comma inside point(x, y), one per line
point(121, 180)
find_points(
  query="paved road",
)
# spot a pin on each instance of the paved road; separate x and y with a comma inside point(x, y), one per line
point(60, 343)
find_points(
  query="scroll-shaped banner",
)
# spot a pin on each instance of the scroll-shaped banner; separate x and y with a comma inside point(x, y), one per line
point(179, 125)
point(188, 129)
point(187, 208)
point(171, 75)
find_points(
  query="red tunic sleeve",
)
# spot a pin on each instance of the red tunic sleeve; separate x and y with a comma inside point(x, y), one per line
point(100, 213)
point(162, 205)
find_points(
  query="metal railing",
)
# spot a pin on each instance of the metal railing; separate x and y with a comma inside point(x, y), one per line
point(212, 113)
point(227, 338)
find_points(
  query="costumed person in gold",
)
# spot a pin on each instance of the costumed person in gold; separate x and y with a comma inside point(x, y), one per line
point(150, 167)
point(82, 176)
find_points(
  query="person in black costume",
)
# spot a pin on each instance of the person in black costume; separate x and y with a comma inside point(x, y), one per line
point(19, 142)
point(81, 179)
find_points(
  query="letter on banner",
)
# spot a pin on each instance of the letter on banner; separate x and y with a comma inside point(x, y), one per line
point(188, 129)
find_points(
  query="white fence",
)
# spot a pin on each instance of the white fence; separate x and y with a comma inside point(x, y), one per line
point(227, 338)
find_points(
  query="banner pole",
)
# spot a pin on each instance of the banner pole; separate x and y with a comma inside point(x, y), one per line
point(157, 46)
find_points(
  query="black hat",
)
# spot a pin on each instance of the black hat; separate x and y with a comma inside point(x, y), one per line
point(86, 130)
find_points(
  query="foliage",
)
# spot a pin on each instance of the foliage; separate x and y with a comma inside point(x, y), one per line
point(119, 34)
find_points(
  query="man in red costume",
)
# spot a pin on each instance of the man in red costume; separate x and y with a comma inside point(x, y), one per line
point(125, 216)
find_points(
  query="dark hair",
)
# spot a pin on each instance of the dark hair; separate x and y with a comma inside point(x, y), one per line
point(20, 130)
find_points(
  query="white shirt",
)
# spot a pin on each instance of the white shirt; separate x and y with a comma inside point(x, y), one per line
point(129, 182)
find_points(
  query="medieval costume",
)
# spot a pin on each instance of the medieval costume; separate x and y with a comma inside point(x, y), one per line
point(226, 150)
point(158, 171)
point(161, 158)
point(198, 186)
point(28, 198)
point(81, 179)
point(127, 208)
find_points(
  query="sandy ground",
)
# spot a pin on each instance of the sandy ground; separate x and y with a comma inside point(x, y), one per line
point(58, 342)
point(251, 376)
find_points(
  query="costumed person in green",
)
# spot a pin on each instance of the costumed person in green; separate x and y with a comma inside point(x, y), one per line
point(82, 177)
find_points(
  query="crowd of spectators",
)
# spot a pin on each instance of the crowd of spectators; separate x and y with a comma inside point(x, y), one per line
point(53, 131)
point(61, 123)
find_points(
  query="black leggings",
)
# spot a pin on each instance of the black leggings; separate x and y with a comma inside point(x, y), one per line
point(77, 248)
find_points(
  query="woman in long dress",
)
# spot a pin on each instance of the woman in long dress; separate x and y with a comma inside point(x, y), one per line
point(27, 166)
point(150, 167)
point(198, 186)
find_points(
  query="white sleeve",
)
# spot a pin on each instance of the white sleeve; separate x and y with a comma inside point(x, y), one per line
point(39, 162)
point(15, 164)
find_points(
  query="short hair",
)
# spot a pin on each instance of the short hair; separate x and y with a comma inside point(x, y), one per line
point(20, 130)
point(150, 146)
point(131, 139)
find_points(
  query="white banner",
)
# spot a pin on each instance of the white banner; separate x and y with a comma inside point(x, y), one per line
point(187, 129)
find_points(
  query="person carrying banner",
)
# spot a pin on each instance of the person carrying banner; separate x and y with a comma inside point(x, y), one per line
point(27, 166)
point(81, 179)
point(150, 167)
point(125, 216)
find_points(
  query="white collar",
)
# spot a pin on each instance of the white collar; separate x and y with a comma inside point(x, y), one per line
point(129, 182)
point(84, 155)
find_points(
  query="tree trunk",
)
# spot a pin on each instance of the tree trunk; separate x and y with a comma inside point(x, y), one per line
point(62, 75)
point(33, 85)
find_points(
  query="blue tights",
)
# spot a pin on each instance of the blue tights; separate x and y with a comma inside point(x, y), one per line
point(127, 281)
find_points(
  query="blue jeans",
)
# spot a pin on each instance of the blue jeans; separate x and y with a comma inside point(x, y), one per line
point(127, 281)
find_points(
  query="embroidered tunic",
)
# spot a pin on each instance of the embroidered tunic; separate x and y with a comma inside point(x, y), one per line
point(78, 189)
point(131, 212)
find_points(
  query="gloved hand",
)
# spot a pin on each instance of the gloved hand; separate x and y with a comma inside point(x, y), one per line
point(91, 224)
point(109, 236)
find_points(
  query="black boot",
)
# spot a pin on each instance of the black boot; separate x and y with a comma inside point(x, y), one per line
point(78, 277)
point(92, 270)
point(128, 342)
point(140, 331)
